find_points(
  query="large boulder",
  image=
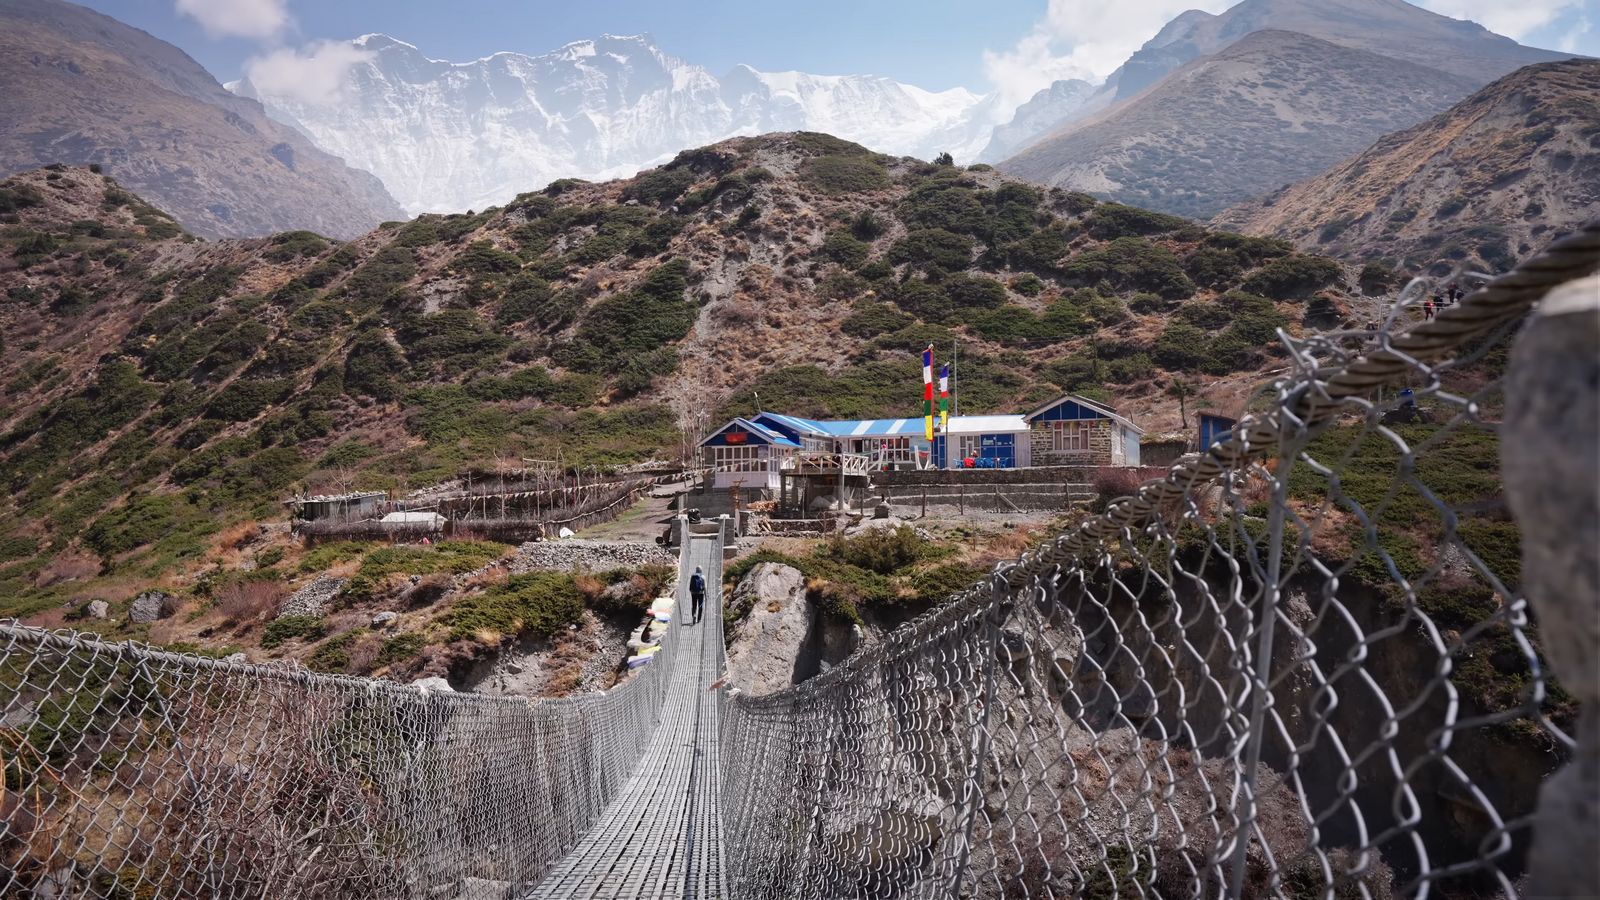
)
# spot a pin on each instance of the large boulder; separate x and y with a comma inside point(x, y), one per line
point(766, 644)
point(152, 606)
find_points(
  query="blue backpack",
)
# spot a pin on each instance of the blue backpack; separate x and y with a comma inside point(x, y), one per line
point(697, 585)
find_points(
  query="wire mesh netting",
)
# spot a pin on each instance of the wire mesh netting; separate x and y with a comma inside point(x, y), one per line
point(1298, 666)
point(135, 773)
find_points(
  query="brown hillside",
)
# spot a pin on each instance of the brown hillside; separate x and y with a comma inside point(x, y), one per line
point(1490, 180)
point(159, 388)
point(84, 88)
point(1271, 108)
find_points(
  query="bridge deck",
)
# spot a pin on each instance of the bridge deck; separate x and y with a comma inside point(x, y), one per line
point(663, 836)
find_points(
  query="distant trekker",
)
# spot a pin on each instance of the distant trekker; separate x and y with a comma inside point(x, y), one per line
point(697, 595)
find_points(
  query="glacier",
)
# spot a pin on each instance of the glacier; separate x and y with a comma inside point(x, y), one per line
point(447, 137)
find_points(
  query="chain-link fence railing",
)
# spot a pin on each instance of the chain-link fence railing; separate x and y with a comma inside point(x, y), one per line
point(133, 773)
point(1297, 666)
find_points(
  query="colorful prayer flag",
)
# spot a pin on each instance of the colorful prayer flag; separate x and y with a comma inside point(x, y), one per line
point(944, 398)
point(927, 392)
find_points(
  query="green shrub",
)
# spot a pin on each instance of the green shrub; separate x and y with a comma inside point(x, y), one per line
point(866, 227)
point(922, 299)
point(449, 332)
point(817, 142)
point(538, 604)
point(882, 550)
point(325, 556)
point(945, 204)
point(371, 365)
point(659, 186)
point(333, 655)
point(1114, 220)
point(1181, 347)
point(400, 648)
point(974, 292)
point(449, 557)
point(563, 185)
point(933, 247)
point(1294, 276)
point(1131, 264)
point(1214, 267)
point(371, 284)
point(285, 628)
point(1027, 285)
point(939, 583)
point(482, 259)
point(1039, 251)
point(246, 398)
point(844, 249)
point(871, 318)
point(14, 548)
point(18, 197)
point(292, 245)
point(1453, 204)
point(840, 174)
point(1376, 278)
point(642, 320)
point(1254, 249)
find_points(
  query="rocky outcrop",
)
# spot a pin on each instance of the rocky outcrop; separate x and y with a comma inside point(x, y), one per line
point(1552, 488)
point(765, 644)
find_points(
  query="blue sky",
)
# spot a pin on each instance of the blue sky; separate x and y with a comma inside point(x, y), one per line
point(1014, 46)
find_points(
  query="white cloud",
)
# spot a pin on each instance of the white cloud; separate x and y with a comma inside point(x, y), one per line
point(1079, 39)
point(1573, 37)
point(1514, 20)
point(258, 19)
point(314, 74)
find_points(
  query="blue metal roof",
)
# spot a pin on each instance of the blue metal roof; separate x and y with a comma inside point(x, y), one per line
point(798, 424)
point(847, 428)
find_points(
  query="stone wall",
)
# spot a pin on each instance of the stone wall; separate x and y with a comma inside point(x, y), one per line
point(1101, 452)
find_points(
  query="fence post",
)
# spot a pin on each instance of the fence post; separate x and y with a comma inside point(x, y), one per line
point(1548, 451)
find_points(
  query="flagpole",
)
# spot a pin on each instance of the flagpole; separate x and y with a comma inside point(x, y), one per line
point(955, 376)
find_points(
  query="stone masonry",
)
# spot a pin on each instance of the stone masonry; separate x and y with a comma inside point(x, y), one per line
point(1101, 452)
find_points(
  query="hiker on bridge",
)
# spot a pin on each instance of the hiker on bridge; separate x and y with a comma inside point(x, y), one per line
point(697, 594)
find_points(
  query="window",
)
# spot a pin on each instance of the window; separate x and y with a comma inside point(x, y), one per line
point(1070, 436)
point(971, 445)
point(738, 459)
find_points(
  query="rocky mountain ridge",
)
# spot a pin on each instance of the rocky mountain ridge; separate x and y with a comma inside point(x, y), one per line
point(1460, 54)
point(82, 88)
point(1268, 109)
point(1482, 184)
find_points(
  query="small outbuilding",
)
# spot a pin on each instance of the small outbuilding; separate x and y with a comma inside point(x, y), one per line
point(338, 507)
point(1215, 429)
point(1073, 430)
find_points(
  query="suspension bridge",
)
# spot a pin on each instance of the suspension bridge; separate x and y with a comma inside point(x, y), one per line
point(1303, 664)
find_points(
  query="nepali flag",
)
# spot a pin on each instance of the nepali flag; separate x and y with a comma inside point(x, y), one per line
point(944, 398)
point(927, 392)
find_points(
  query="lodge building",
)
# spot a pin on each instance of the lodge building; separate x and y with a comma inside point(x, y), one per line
point(756, 452)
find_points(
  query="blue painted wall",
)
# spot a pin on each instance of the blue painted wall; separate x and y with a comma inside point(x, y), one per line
point(1214, 429)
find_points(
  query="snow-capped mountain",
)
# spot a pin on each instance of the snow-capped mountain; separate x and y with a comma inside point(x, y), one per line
point(448, 136)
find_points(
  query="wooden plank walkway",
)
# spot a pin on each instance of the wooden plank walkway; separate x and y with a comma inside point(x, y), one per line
point(663, 836)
